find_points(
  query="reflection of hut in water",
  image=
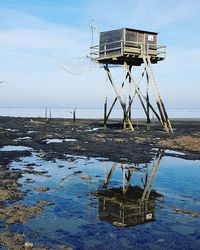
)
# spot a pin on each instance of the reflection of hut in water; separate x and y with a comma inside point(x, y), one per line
point(125, 210)
point(130, 205)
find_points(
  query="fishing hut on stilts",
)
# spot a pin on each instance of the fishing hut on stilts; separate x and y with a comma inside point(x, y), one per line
point(131, 48)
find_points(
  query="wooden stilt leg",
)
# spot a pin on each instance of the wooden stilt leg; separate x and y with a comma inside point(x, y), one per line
point(130, 103)
point(118, 95)
point(125, 99)
point(115, 100)
point(147, 97)
point(163, 114)
point(106, 100)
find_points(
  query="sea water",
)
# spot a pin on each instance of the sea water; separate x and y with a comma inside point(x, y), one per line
point(81, 219)
point(82, 113)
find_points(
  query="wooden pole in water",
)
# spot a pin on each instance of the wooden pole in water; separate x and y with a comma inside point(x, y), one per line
point(45, 113)
point(49, 113)
point(74, 116)
point(105, 172)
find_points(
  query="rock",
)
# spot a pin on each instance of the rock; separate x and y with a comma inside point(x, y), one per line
point(19, 213)
point(66, 247)
point(12, 240)
point(45, 203)
point(30, 167)
point(41, 189)
point(28, 180)
point(118, 224)
point(187, 212)
point(28, 245)
point(85, 177)
point(6, 194)
point(77, 172)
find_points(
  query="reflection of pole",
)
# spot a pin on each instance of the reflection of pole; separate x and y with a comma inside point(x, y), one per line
point(108, 177)
point(144, 182)
point(154, 175)
point(123, 217)
point(105, 171)
point(150, 180)
point(147, 172)
point(128, 176)
point(123, 179)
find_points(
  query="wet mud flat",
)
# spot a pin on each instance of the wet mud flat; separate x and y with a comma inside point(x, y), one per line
point(64, 140)
point(57, 137)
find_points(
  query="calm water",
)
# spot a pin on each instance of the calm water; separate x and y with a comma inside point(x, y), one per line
point(113, 220)
point(93, 113)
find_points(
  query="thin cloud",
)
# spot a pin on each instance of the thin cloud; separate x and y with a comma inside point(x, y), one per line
point(151, 14)
point(27, 39)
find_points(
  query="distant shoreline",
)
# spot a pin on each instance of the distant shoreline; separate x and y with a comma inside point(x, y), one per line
point(101, 119)
point(95, 113)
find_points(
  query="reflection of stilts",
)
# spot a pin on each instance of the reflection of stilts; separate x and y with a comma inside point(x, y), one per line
point(128, 173)
point(151, 179)
point(109, 176)
point(127, 177)
point(129, 205)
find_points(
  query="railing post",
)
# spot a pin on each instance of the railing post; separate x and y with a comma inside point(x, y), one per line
point(104, 48)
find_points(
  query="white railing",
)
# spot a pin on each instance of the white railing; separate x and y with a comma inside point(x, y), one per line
point(104, 50)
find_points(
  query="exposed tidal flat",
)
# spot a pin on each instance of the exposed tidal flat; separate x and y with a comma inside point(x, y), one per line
point(83, 186)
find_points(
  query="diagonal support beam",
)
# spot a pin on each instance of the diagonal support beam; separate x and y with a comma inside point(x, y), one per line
point(151, 178)
point(163, 114)
point(138, 92)
point(114, 102)
point(118, 96)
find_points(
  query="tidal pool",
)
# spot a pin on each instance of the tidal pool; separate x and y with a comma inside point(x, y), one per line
point(100, 204)
point(14, 148)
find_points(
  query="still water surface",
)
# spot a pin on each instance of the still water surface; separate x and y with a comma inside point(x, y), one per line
point(98, 206)
point(92, 113)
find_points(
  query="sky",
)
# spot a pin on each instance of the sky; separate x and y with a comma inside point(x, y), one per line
point(44, 48)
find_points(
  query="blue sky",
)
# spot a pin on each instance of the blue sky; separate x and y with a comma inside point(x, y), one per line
point(38, 37)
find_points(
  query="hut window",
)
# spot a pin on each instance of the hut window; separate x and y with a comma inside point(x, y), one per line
point(150, 38)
